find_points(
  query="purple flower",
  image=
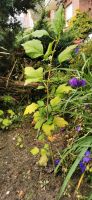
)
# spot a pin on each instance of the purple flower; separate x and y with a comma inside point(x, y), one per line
point(81, 83)
point(78, 128)
point(74, 82)
point(56, 162)
point(82, 166)
point(86, 159)
point(76, 50)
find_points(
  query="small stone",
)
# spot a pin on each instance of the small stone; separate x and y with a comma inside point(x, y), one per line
point(8, 192)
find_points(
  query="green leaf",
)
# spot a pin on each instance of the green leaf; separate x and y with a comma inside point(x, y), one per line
point(58, 22)
point(40, 87)
point(1, 120)
point(10, 112)
point(1, 112)
point(33, 75)
point(66, 54)
point(36, 116)
point(54, 102)
point(33, 48)
point(71, 171)
point(40, 103)
point(60, 122)
point(31, 108)
point(90, 197)
point(46, 146)
point(39, 33)
point(43, 161)
point(63, 89)
point(49, 50)
point(6, 122)
point(43, 152)
point(34, 151)
point(39, 124)
point(41, 137)
point(47, 129)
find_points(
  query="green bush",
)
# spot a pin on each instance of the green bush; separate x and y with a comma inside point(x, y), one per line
point(80, 25)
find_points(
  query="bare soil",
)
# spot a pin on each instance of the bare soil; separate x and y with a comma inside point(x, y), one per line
point(20, 176)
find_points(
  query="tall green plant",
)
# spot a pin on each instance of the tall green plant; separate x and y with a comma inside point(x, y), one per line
point(46, 112)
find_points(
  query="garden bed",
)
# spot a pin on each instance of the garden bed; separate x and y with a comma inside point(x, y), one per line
point(21, 177)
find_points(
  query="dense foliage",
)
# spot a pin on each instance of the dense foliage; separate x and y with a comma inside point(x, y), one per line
point(9, 26)
point(62, 75)
point(66, 104)
point(80, 25)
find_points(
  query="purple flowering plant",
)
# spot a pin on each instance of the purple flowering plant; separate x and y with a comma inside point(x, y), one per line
point(75, 82)
point(56, 162)
point(86, 159)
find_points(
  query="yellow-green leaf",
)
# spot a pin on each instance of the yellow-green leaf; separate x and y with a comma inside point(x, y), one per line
point(31, 108)
point(33, 75)
point(39, 124)
point(35, 151)
point(36, 116)
point(6, 122)
point(60, 122)
point(43, 161)
point(33, 48)
point(47, 129)
point(59, 22)
point(39, 33)
point(1, 112)
point(63, 89)
point(43, 152)
point(55, 101)
point(66, 54)
point(49, 50)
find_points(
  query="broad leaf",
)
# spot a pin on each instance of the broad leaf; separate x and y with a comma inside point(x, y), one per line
point(58, 22)
point(43, 152)
point(49, 50)
point(39, 33)
point(47, 129)
point(40, 87)
point(40, 103)
point(66, 54)
point(6, 122)
point(33, 48)
point(43, 161)
point(90, 197)
point(1, 112)
point(60, 122)
point(39, 124)
point(54, 102)
point(33, 75)
point(31, 108)
point(10, 112)
point(36, 116)
point(41, 137)
point(1, 120)
point(34, 151)
point(63, 89)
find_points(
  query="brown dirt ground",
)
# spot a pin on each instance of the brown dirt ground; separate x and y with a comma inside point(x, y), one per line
point(20, 176)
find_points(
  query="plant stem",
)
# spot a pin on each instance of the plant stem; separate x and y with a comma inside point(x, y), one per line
point(49, 74)
point(79, 183)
